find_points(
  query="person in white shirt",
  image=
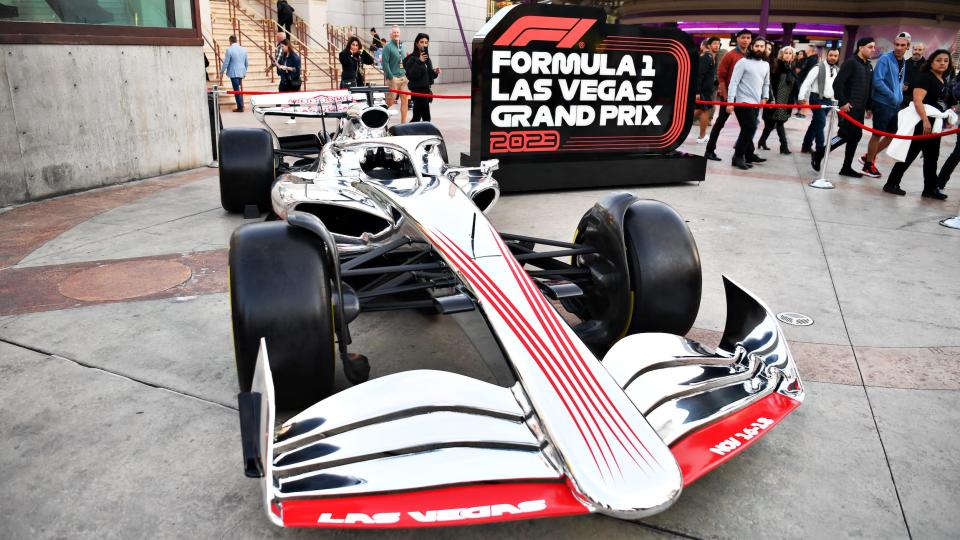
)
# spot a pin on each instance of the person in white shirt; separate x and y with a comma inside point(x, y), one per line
point(817, 89)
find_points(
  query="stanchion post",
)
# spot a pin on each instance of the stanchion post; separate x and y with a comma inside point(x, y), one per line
point(216, 127)
point(953, 223)
point(822, 182)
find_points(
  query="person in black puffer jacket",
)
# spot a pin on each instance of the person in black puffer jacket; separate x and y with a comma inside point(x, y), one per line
point(852, 89)
point(352, 58)
point(420, 75)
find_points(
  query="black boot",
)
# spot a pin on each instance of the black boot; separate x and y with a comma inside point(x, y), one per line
point(815, 160)
point(893, 190)
point(740, 163)
point(712, 156)
point(784, 150)
point(753, 158)
point(762, 144)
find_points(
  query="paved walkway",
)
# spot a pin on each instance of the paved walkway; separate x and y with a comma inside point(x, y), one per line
point(118, 386)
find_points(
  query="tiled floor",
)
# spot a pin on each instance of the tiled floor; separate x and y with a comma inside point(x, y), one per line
point(118, 399)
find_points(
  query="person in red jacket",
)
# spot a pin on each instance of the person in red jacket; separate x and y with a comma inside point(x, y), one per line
point(724, 72)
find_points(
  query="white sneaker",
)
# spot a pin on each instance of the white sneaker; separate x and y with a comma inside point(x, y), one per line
point(703, 140)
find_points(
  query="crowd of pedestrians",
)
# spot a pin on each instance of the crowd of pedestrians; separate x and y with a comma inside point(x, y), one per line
point(902, 91)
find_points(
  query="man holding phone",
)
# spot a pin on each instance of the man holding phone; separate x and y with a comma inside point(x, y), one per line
point(420, 75)
point(393, 70)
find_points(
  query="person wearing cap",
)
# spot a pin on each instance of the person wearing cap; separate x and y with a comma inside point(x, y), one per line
point(724, 73)
point(888, 81)
point(817, 89)
point(852, 89)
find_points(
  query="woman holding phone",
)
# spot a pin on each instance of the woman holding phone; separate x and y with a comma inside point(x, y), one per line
point(420, 75)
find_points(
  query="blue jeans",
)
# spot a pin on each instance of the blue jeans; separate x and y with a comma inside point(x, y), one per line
point(815, 130)
point(236, 81)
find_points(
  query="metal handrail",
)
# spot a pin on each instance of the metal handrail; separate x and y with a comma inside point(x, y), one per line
point(300, 35)
point(306, 53)
point(216, 54)
point(267, 25)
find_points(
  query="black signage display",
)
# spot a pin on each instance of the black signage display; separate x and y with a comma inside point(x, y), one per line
point(565, 100)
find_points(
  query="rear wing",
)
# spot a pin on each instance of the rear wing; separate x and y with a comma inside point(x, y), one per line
point(318, 104)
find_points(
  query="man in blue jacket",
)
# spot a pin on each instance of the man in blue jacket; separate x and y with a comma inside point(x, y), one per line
point(235, 66)
point(888, 80)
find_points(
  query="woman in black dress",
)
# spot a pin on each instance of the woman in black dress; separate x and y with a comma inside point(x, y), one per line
point(928, 87)
point(782, 81)
point(352, 59)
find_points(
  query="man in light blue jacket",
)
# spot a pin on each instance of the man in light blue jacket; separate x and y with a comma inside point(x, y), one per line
point(888, 82)
point(235, 66)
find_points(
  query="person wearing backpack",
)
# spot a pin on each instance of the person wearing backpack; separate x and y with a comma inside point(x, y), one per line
point(954, 158)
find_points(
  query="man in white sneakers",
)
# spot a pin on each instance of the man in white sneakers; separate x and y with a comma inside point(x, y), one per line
point(817, 89)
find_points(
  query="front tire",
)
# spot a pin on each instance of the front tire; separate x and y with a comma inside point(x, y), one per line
point(280, 290)
point(644, 276)
point(664, 265)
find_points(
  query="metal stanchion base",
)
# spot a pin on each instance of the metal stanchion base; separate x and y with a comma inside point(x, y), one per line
point(953, 223)
point(821, 183)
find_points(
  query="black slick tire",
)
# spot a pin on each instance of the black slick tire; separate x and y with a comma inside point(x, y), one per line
point(664, 267)
point(247, 169)
point(280, 290)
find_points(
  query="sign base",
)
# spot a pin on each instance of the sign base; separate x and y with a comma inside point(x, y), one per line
point(606, 171)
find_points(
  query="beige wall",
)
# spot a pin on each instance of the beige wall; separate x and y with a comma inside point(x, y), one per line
point(74, 117)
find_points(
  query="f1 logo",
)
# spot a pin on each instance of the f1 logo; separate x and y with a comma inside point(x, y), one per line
point(564, 31)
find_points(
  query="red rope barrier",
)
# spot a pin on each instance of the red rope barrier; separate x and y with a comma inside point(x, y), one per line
point(763, 105)
point(414, 94)
point(260, 93)
point(439, 96)
point(849, 118)
point(860, 125)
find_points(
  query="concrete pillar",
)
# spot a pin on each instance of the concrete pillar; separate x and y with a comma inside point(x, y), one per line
point(314, 13)
point(764, 17)
point(849, 41)
point(788, 33)
point(205, 18)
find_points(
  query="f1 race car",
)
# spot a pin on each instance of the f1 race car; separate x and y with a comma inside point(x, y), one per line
point(601, 404)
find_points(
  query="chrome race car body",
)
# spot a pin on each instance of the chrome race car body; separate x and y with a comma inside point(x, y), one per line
point(619, 435)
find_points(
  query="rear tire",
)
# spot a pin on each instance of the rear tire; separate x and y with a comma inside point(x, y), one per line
point(280, 290)
point(247, 169)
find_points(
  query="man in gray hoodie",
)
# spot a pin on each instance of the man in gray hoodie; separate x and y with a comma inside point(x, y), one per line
point(750, 83)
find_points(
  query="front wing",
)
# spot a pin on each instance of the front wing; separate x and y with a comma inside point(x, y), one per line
point(429, 448)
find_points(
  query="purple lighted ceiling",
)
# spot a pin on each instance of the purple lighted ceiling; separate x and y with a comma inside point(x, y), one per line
point(810, 29)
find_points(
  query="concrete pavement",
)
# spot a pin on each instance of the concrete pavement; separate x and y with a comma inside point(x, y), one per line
point(118, 386)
